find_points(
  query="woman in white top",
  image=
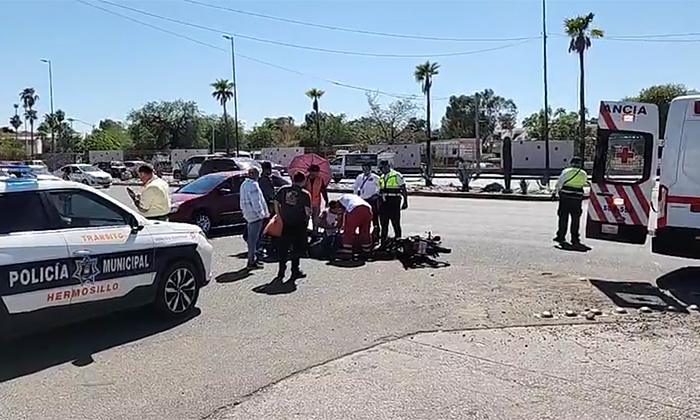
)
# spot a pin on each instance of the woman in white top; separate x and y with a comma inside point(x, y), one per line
point(357, 217)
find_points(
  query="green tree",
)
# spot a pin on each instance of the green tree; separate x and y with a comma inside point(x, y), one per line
point(29, 98)
point(385, 124)
point(108, 135)
point(67, 140)
point(493, 111)
point(165, 125)
point(316, 94)
point(11, 149)
point(223, 92)
point(580, 31)
point(424, 74)
point(661, 96)
point(16, 122)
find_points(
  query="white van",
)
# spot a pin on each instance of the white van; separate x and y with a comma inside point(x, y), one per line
point(624, 176)
point(349, 165)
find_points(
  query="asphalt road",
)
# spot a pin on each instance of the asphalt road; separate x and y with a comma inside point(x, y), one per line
point(378, 341)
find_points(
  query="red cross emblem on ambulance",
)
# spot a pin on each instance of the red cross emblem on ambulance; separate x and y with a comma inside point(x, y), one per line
point(624, 154)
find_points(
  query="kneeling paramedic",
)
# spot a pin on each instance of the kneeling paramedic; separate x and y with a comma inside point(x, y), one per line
point(570, 190)
point(357, 218)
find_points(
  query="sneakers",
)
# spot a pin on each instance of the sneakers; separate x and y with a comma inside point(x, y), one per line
point(559, 240)
point(257, 266)
point(297, 275)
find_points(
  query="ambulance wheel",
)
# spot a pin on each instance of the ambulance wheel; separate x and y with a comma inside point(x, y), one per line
point(178, 289)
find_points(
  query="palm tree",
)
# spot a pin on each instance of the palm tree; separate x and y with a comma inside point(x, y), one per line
point(316, 94)
point(29, 98)
point(223, 92)
point(580, 31)
point(16, 122)
point(424, 74)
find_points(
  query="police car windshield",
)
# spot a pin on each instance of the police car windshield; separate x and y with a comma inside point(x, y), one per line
point(203, 185)
point(88, 168)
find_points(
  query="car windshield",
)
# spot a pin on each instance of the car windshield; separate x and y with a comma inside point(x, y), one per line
point(203, 185)
point(88, 168)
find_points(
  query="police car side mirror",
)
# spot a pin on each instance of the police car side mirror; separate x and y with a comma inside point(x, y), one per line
point(136, 227)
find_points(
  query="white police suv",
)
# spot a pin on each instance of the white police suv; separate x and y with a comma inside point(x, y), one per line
point(68, 252)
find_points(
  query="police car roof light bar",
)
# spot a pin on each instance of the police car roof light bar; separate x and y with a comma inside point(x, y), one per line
point(22, 173)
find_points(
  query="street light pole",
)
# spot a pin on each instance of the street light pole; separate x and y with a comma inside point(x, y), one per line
point(546, 94)
point(235, 89)
point(53, 117)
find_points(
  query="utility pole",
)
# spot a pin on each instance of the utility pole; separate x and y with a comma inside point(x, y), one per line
point(546, 93)
point(476, 132)
point(53, 117)
point(235, 90)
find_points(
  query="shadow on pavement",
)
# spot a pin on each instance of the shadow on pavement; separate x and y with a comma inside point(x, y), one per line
point(683, 284)
point(234, 276)
point(77, 343)
point(276, 287)
point(572, 248)
point(346, 263)
point(636, 294)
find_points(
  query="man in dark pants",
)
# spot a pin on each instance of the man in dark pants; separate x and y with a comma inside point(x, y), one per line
point(267, 186)
point(293, 205)
point(393, 191)
point(570, 190)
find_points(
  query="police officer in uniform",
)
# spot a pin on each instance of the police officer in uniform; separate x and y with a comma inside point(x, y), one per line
point(392, 189)
point(570, 190)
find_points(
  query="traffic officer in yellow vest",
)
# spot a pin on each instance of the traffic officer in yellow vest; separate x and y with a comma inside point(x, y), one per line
point(392, 189)
point(570, 190)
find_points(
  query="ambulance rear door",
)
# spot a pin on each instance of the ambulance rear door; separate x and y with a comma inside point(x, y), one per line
point(678, 224)
point(624, 172)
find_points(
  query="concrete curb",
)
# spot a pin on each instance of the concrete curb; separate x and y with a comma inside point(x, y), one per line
point(436, 194)
point(457, 194)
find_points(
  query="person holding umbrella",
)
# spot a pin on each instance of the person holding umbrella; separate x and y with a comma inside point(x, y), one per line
point(316, 186)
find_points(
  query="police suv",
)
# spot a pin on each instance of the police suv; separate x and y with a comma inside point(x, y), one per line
point(68, 252)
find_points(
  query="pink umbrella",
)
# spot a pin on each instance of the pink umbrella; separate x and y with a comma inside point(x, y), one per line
point(303, 162)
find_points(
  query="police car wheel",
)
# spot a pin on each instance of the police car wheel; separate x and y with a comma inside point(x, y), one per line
point(178, 289)
point(203, 221)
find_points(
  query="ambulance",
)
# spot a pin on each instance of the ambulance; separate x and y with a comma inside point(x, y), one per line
point(624, 176)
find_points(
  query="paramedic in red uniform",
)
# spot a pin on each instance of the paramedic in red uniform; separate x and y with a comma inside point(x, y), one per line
point(317, 188)
point(357, 218)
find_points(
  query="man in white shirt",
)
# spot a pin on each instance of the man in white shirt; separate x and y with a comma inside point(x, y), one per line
point(357, 216)
point(367, 187)
point(255, 211)
point(154, 201)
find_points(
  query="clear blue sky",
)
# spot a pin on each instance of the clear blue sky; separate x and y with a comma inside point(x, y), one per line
point(104, 65)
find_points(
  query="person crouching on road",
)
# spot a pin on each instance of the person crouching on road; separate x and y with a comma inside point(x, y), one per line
point(367, 187)
point(293, 205)
point(255, 213)
point(154, 201)
point(392, 189)
point(357, 217)
point(317, 188)
point(570, 190)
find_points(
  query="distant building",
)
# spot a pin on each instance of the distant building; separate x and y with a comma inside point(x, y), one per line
point(31, 148)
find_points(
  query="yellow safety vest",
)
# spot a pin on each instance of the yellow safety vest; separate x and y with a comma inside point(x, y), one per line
point(574, 181)
point(389, 184)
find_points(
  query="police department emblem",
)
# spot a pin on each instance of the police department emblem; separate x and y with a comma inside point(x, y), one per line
point(86, 270)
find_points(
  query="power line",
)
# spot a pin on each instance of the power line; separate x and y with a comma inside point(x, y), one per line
point(663, 38)
point(215, 47)
point(307, 47)
point(357, 31)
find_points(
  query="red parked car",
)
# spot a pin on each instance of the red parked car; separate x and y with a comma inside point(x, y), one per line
point(212, 200)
